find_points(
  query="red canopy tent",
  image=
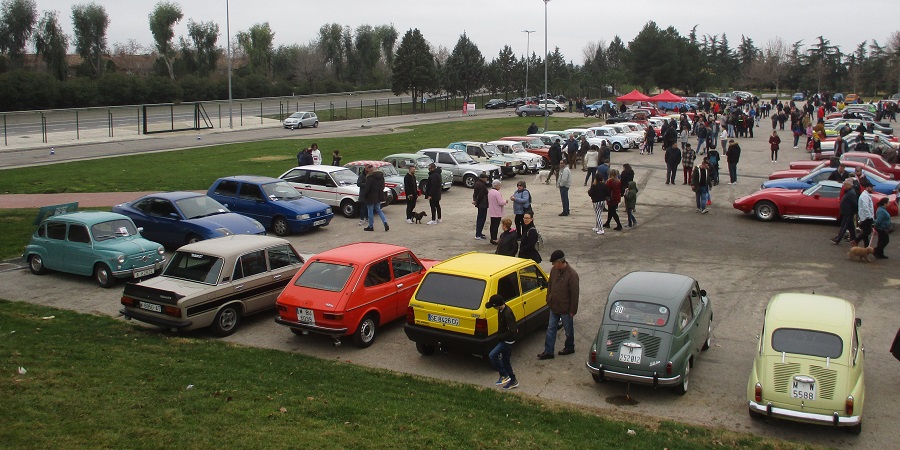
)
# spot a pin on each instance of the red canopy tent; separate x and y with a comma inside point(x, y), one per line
point(633, 96)
point(666, 96)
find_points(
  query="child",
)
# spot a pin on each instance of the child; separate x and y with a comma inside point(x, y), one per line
point(500, 355)
point(630, 201)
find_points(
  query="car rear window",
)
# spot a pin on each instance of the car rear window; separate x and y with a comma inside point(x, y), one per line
point(807, 342)
point(639, 312)
point(194, 267)
point(325, 276)
point(451, 290)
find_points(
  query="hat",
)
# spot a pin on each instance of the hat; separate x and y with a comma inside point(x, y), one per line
point(557, 255)
point(865, 183)
point(495, 301)
point(483, 175)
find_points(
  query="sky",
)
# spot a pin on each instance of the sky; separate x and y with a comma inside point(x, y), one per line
point(491, 24)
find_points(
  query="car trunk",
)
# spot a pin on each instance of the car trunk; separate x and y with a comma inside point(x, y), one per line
point(641, 351)
point(811, 385)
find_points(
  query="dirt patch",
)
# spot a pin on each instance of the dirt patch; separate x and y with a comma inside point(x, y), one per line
point(271, 158)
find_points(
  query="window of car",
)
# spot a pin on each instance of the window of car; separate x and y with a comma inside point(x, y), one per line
point(508, 286)
point(112, 229)
point(807, 342)
point(200, 206)
point(56, 230)
point(280, 190)
point(531, 278)
point(325, 276)
point(227, 188)
point(79, 233)
point(685, 314)
point(639, 312)
point(445, 158)
point(343, 177)
point(194, 267)
point(404, 264)
point(42, 230)
point(247, 265)
point(451, 290)
point(378, 273)
point(283, 256)
point(297, 176)
point(160, 207)
point(251, 192)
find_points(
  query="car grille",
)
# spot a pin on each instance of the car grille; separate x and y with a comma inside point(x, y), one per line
point(143, 259)
point(826, 378)
point(783, 374)
point(649, 343)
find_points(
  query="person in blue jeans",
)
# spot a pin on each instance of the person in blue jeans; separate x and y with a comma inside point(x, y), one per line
point(701, 182)
point(500, 355)
point(562, 298)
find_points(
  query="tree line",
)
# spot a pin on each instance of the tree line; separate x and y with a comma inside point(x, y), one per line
point(37, 72)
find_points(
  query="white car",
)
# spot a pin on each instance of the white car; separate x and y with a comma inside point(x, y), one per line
point(331, 185)
point(514, 149)
point(464, 169)
point(636, 130)
point(301, 119)
point(591, 138)
point(626, 131)
point(617, 142)
point(551, 105)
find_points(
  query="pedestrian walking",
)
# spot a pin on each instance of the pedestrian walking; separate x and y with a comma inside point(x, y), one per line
point(883, 227)
point(563, 183)
point(865, 212)
point(615, 196)
point(562, 298)
point(501, 354)
point(672, 158)
point(555, 155)
point(630, 197)
point(701, 183)
point(374, 195)
point(591, 161)
point(599, 192)
point(480, 200)
point(496, 202)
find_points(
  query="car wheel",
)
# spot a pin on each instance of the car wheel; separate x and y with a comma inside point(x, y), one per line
point(469, 181)
point(598, 378)
point(365, 332)
point(617, 147)
point(280, 226)
point(522, 170)
point(765, 211)
point(226, 321)
point(424, 349)
point(192, 239)
point(682, 388)
point(316, 124)
point(755, 415)
point(348, 209)
point(103, 276)
point(521, 114)
point(36, 264)
point(855, 429)
point(708, 336)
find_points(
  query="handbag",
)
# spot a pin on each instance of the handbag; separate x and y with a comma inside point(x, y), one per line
point(539, 244)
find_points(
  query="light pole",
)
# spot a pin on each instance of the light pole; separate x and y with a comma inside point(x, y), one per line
point(546, 54)
point(527, 57)
point(228, 35)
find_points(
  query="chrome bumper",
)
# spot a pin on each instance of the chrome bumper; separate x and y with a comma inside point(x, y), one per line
point(631, 378)
point(799, 416)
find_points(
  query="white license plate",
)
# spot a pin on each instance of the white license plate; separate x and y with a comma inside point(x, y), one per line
point(144, 272)
point(150, 307)
point(803, 391)
point(319, 222)
point(442, 319)
point(305, 316)
point(630, 355)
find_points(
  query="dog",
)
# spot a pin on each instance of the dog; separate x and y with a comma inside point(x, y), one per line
point(541, 176)
point(418, 216)
point(860, 252)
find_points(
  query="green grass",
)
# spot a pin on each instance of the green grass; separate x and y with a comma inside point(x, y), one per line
point(95, 382)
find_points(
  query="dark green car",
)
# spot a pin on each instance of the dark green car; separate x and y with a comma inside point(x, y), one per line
point(654, 327)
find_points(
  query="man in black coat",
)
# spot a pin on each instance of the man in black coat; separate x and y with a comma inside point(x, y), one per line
point(433, 193)
point(733, 155)
point(672, 158)
point(555, 155)
point(410, 186)
point(532, 129)
point(848, 207)
point(373, 193)
point(480, 200)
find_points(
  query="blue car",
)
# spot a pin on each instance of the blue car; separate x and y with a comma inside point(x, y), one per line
point(271, 201)
point(594, 108)
point(178, 218)
point(880, 184)
point(798, 97)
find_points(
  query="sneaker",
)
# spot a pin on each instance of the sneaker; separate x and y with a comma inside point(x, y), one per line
point(431, 222)
point(409, 221)
point(440, 220)
point(511, 385)
point(501, 381)
point(600, 232)
point(360, 223)
point(704, 211)
point(595, 229)
point(368, 229)
point(479, 238)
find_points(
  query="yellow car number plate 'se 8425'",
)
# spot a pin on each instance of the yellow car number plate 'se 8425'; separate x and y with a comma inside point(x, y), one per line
point(442, 319)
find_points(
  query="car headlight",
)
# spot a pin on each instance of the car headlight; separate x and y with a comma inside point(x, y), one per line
point(224, 231)
point(302, 216)
point(328, 210)
point(161, 250)
point(120, 259)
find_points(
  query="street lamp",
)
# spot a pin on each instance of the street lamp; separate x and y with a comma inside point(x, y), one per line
point(546, 55)
point(527, 57)
point(228, 35)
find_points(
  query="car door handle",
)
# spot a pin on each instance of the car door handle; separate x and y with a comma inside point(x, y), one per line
point(277, 277)
point(239, 287)
point(399, 285)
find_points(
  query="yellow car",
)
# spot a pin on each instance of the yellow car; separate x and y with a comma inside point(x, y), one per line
point(449, 307)
point(809, 363)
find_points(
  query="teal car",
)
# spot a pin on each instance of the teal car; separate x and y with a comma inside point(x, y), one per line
point(402, 160)
point(104, 245)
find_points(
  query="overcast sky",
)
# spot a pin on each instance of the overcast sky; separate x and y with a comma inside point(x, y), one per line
point(491, 24)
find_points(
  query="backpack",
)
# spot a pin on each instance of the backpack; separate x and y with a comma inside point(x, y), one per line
point(539, 244)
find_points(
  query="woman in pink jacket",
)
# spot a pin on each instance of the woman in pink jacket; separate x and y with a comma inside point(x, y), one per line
point(496, 202)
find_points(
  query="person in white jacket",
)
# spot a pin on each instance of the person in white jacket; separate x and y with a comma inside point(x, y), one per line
point(316, 154)
point(591, 161)
point(563, 183)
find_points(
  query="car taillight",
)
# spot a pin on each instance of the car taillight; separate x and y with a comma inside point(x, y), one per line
point(669, 368)
point(173, 311)
point(848, 405)
point(481, 328)
point(593, 356)
point(410, 315)
point(757, 393)
point(128, 301)
point(333, 316)
point(280, 307)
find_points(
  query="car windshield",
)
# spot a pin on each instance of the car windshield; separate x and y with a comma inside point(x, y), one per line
point(464, 292)
point(325, 276)
point(194, 267)
point(200, 206)
point(639, 312)
point(532, 143)
point(281, 190)
point(423, 162)
point(112, 229)
point(296, 115)
point(807, 342)
point(344, 177)
point(463, 158)
point(491, 149)
point(389, 170)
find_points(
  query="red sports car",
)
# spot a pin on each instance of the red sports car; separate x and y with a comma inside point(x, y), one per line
point(871, 160)
point(802, 170)
point(820, 202)
point(351, 290)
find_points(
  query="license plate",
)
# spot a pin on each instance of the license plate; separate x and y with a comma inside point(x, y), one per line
point(319, 222)
point(305, 316)
point(138, 273)
point(442, 319)
point(150, 307)
point(803, 391)
point(630, 355)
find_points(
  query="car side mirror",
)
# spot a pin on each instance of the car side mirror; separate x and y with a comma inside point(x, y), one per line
point(173, 216)
point(858, 322)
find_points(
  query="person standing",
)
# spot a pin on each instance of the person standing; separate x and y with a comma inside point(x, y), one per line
point(528, 245)
point(701, 183)
point(626, 176)
point(501, 354)
point(733, 155)
point(865, 212)
point(685, 135)
point(572, 151)
point(687, 163)
point(672, 158)
point(496, 202)
point(361, 202)
point(649, 139)
point(521, 204)
point(336, 158)
point(882, 227)
point(304, 158)
point(555, 155)
point(480, 200)
point(316, 154)
point(591, 161)
point(373, 194)
point(723, 139)
point(563, 183)
point(630, 197)
point(849, 202)
point(701, 136)
point(410, 186)
point(562, 298)
point(507, 243)
point(433, 193)
point(598, 192)
point(774, 142)
point(615, 196)
point(532, 129)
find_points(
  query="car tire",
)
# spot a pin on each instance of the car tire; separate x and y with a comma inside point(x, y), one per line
point(281, 227)
point(36, 264)
point(598, 378)
point(391, 197)
point(316, 124)
point(192, 239)
point(424, 349)
point(706, 343)
point(103, 276)
point(522, 170)
point(682, 388)
point(855, 429)
point(348, 209)
point(617, 147)
point(365, 331)
point(227, 321)
point(765, 211)
point(469, 181)
point(521, 114)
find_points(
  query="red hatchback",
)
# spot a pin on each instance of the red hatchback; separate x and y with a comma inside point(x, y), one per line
point(351, 290)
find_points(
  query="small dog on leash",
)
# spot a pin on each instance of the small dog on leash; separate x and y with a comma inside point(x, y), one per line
point(860, 252)
point(418, 216)
point(541, 176)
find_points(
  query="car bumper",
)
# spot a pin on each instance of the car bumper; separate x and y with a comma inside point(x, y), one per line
point(799, 416)
point(308, 224)
point(292, 125)
point(654, 380)
point(433, 336)
point(129, 273)
point(154, 320)
point(312, 328)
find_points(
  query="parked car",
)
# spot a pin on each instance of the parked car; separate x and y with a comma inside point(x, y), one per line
point(837, 97)
point(488, 153)
point(495, 103)
point(852, 99)
point(516, 150)
point(871, 160)
point(271, 201)
point(553, 105)
point(402, 160)
point(880, 182)
point(351, 290)
point(533, 110)
point(464, 169)
point(177, 218)
point(214, 284)
point(448, 309)
point(333, 186)
point(809, 363)
point(533, 145)
point(618, 142)
point(594, 108)
point(301, 119)
point(802, 170)
point(799, 97)
point(103, 245)
point(654, 327)
point(820, 202)
point(393, 179)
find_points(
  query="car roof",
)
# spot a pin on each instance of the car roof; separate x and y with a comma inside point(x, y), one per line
point(234, 244)
point(175, 195)
point(367, 161)
point(362, 252)
point(88, 217)
point(467, 143)
point(405, 155)
point(480, 265)
point(257, 179)
point(504, 142)
point(809, 311)
point(302, 112)
point(443, 150)
point(665, 288)
point(321, 167)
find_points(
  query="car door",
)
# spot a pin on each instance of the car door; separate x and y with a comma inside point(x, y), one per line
point(684, 328)
point(379, 291)
point(251, 201)
point(445, 161)
point(54, 242)
point(824, 202)
point(163, 221)
point(79, 252)
point(698, 330)
point(407, 275)
point(534, 289)
point(251, 283)
point(324, 187)
point(508, 287)
point(226, 193)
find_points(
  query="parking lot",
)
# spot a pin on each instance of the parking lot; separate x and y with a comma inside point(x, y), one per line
point(740, 262)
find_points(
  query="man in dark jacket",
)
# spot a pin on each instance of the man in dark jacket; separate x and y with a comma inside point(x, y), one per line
point(433, 190)
point(701, 182)
point(733, 155)
point(562, 298)
point(555, 155)
point(532, 129)
point(672, 158)
point(572, 151)
point(304, 157)
point(848, 207)
point(373, 194)
point(500, 355)
point(361, 204)
point(410, 186)
point(480, 200)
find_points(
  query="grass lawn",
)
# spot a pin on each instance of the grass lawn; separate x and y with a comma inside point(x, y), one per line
point(96, 382)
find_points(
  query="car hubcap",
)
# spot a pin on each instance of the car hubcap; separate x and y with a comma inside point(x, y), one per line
point(102, 276)
point(36, 263)
point(367, 331)
point(280, 227)
point(226, 322)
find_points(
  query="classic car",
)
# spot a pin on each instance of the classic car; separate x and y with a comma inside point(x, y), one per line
point(104, 245)
point(870, 160)
point(214, 284)
point(448, 309)
point(351, 290)
point(402, 160)
point(578, 133)
point(271, 201)
point(532, 144)
point(301, 119)
point(880, 182)
point(819, 202)
point(177, 218)
point(850, 144)
point(333, 186)
point(495, 103)
point(618, 142)
point(803, 168)
point(597, 106)
point(637, 137)
point(464, 169)
point(654, 327)
point(552, 105)
point(533, 110)
point(851, 99)
point(808, 366)
point(516, 150)
point(393, 178)
point(488, 153)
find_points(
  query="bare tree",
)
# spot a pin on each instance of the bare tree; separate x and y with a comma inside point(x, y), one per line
point(132, 57)
point(775, 56)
